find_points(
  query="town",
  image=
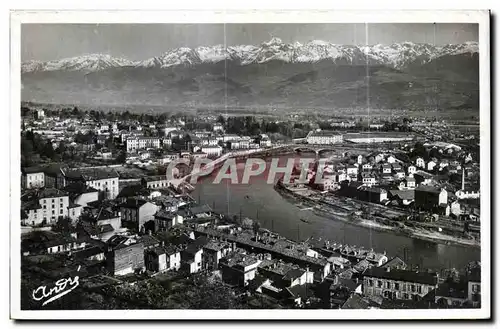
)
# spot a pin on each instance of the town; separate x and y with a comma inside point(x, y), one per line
point(96, 200)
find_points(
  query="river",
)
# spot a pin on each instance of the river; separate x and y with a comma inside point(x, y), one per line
point(259, 200)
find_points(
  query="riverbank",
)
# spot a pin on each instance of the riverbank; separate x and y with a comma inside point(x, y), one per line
point(340, 214)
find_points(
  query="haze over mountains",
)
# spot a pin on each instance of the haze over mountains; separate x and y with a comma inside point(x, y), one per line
point(274, 74)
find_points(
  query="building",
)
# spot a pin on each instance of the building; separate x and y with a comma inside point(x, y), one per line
point(412, 170)
point(372, 194)
point(430, 197)
point(352, 170)
point(124, 255)
point(386, 169)
point(369, 180)
point(422, 177)
point(209, 142)
point(430, 165)
point(391, 159)
point(32, 213)
point(218, 127)
point(214, 251)
point(377, 137)
point(39, 114)
point(420, 163)
point(409, 182)
point(138, 214)
point(46, 242)
point(474, 287)
point(367, 167)
point(106, 181)
point(81, 194)
point(402, 197)
point(265, 142)
point(324, 137)
point(398, 284)
point(32, 177)
point(54, 204)
point(155, 182)
point(168, 130)
point(212, 151)
point(328, 185)
point(162, 258)
point(141, 142)
point(165, 220)
point(238, 268)
point(199, 155)
point(191, 257)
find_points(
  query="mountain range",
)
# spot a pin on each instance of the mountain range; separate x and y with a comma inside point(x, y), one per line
point(274, 73)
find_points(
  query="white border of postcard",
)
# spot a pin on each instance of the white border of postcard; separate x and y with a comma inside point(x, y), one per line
point(252, 16)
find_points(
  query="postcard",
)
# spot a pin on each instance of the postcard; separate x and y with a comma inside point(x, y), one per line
point(250, 165)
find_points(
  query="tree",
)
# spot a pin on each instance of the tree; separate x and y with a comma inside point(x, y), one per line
point(63, 225)
point(48, 150)
point(122, 156)
point(221, 120)
point(75, 112)
point(256, 227)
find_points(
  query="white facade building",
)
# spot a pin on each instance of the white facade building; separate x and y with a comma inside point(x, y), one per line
point(139, 143)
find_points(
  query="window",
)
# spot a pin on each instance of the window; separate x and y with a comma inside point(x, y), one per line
point(476, 288)
point(413, 288)
point(60, 212)
point(44, 201)
point(406, 296)
point(387, 285)
point(53, 200)
point(61, 200)
point(396, 286)
point(44, 206)
point(53, 212)
point(419, 289)
point(379, 284)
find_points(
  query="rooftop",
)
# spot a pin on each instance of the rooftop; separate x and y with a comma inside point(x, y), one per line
point(452, 289)
point(154, 178)
point(427, 188)
point(133, 203)
point(76, 188)
point(403, 194)
point(51, 193)
point(88, 174)
point(402, 275)
point(31, 170)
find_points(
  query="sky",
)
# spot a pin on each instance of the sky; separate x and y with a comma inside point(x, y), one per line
point(142, 41)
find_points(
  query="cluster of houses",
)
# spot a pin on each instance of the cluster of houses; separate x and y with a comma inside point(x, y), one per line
point(150, 227)
point(196, 144)
point(387, 179)
point(145, 144)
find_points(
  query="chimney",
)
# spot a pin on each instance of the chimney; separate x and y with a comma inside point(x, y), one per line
point(388, 269)
point(463, 179)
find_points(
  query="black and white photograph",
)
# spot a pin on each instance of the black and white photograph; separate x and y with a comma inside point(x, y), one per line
point(334, 166)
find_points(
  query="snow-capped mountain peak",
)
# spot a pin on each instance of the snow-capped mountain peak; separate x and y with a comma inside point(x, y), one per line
point(397, 55)
point(86, 63)
point(273, 41)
